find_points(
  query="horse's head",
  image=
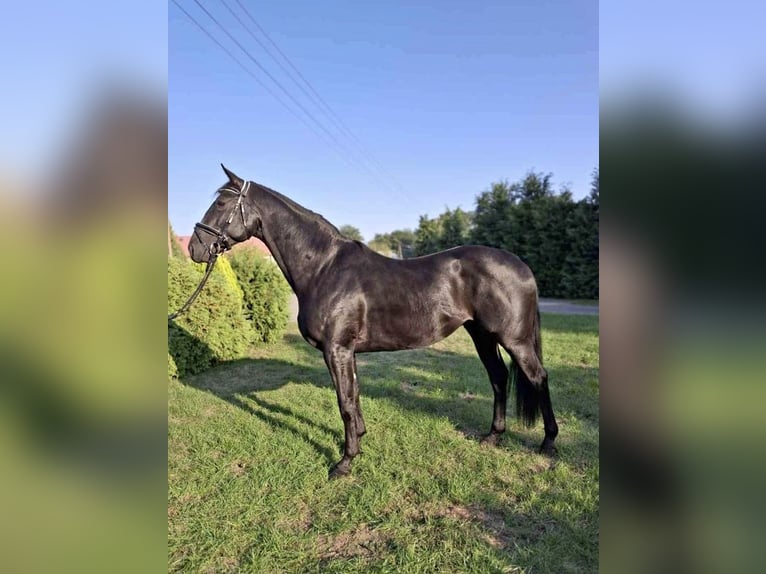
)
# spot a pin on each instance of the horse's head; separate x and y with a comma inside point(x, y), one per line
point(227, 221)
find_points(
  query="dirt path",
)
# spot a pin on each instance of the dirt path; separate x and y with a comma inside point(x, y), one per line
point(566, 308)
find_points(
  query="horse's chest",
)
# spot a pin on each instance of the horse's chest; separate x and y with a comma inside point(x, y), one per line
point(310, 334)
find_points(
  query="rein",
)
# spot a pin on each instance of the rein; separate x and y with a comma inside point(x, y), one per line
point(185, 307)
point(220, 245)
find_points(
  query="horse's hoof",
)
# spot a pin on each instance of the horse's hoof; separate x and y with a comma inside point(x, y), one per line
point(492, 439)
point(548, 449)
point(339, 471)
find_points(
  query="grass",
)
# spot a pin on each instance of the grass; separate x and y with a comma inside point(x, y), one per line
point(250, 443)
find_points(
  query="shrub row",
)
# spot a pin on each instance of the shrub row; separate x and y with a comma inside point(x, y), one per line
point(244, 302)
point(214, 328)
point(265, 293)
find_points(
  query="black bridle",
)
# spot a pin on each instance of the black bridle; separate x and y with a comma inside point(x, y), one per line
point(219, 245)
point(222, 242)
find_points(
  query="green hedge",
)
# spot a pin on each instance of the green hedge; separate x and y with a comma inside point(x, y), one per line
point(266, 293)
point(224, 269)
point(214, 328)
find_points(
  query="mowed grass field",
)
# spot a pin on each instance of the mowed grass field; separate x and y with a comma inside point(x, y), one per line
point(250, 443)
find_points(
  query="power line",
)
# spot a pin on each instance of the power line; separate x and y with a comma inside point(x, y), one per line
point(312, 95)
point(333, 141)
point(246, 69)
point(316, 98)
point(285, 70)
point(292, 98)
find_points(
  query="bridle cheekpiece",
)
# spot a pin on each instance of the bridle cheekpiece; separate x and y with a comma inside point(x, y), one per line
point(222, 241)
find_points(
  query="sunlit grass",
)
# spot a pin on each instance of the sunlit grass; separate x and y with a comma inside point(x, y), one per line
point(250, 443)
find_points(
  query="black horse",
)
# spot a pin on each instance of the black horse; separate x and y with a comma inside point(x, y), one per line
point(353, 300)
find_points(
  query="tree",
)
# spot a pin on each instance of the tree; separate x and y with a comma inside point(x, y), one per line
point(580, 270)
point(404, 241)
point(534, 186)
point(399, 243)
point(593, 197)
point(454, 228)
point(547, 238)
point(427, 236)
point(492, 215)
point(555, 235)
point(380, 244)
point(351, 232)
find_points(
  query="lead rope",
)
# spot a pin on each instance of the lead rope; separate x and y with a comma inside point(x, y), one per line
point(208, 270)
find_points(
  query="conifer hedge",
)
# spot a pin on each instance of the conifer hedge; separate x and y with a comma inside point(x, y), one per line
point(214, 328)
point(265, 291)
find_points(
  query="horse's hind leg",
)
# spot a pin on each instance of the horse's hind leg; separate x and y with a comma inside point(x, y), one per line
point(549, 420)
point(532, 394)
point(489, 353)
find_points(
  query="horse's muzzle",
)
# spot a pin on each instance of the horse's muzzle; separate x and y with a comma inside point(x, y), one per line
point(218, 241)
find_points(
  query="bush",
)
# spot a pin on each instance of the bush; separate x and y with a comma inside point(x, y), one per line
point(214, 328)
point(224, 269)
point(265, 292)
point(172, 368)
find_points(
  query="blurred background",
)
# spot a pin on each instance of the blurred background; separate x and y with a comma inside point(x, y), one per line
point(83, 187)
point(683, 143)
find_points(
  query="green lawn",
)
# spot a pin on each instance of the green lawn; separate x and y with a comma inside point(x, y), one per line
point(250, 443)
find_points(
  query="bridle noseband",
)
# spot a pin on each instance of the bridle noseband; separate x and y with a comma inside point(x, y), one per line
point(222, 241)
point(221, 244)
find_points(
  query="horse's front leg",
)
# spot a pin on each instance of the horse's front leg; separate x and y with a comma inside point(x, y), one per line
point(360, 427)
point(340, 362)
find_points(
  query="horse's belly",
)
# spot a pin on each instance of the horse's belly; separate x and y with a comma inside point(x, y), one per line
point(408, 330)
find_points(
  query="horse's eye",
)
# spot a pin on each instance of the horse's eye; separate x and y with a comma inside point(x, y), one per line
point(220, 203)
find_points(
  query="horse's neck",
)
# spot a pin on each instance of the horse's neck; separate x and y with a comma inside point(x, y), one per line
point(300, 241)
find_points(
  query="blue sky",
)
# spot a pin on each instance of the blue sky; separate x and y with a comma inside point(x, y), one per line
point(448, 96)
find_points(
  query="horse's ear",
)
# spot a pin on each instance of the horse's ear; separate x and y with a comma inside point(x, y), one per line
point(233, 177)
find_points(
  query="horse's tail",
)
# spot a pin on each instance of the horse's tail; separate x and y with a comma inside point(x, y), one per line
point(528, 391)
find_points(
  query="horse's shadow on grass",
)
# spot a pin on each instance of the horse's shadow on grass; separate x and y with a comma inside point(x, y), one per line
point(408, 380)
point(403, 377)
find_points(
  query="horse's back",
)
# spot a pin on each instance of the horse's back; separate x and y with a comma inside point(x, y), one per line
point(479, 268)
point(415, 302)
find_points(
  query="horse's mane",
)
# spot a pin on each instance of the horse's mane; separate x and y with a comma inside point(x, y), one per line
point(307, 213)
point(297, 207)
